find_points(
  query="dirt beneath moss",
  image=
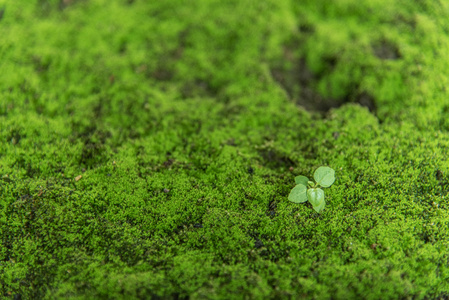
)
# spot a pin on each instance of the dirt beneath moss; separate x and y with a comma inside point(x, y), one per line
point(300, 82)
point(386, 50)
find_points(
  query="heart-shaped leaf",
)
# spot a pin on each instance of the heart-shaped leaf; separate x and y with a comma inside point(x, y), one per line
point(315, 196)
point(324, 176)
point(301, 180)
point(320, 207)
point(298, 194)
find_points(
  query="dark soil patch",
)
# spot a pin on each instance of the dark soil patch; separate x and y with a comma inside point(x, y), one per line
point(274, 159)
point(300, 83)
point(198, 88)
point(386, 50)
point(366, 100)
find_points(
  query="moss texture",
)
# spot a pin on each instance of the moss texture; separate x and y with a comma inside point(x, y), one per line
point(147, 149)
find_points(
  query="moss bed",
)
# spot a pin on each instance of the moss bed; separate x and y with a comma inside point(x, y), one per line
point(147, 149)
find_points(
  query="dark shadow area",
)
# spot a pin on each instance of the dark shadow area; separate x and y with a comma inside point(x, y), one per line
point(386, 50)
point(300, 83)
point(2, 12)
point(274, 159)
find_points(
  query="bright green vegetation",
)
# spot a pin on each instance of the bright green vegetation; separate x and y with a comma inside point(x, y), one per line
point(309, 190)
point(147, 149)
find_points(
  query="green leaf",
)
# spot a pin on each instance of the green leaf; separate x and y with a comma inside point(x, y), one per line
point(315, 196)
point(324, 176)
point(320, 207)
point(301, 180)
point(298, 194)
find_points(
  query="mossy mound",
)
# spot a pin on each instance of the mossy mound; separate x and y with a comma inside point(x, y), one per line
point(147, 149)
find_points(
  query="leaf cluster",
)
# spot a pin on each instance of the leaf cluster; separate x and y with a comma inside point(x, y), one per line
point(309, 190)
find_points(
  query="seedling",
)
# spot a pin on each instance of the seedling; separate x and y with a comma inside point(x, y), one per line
point(309, 190)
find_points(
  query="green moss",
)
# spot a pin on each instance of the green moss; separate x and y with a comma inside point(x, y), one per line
point(147, 149)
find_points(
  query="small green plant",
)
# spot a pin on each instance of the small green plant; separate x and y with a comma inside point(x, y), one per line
point(309, 190)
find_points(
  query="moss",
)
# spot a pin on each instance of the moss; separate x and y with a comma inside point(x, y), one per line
point(147, 149)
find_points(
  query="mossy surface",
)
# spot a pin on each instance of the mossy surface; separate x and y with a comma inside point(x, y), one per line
point(147, 149)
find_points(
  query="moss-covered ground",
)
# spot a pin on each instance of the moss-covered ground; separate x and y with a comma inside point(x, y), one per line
point(147, 149)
